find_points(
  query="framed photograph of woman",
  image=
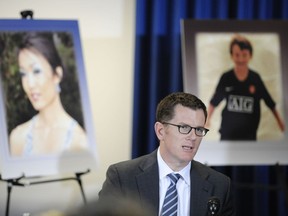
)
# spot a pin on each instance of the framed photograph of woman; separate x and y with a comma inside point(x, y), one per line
point(238, 68)
point(45, 114)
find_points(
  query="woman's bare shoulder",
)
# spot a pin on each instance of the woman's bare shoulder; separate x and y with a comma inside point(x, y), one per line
point(18, 134)
point(21, 129)
point(79, 138)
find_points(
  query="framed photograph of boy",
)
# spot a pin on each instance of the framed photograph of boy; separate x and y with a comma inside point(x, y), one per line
point(238, 69)
point(45, 117)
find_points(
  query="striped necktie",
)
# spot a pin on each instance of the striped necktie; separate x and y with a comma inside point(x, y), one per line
point(170, 204)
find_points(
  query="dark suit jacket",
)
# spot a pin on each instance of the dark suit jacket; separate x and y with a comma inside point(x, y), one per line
point(139, 179)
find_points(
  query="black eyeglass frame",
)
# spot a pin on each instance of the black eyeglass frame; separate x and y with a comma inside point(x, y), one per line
point(195, 128)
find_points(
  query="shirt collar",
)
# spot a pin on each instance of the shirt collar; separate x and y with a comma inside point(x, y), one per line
point(164, 169)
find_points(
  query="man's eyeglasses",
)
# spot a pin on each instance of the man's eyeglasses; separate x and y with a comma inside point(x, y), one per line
point(185, 129)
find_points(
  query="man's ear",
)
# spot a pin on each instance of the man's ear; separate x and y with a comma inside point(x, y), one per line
point(159, 130)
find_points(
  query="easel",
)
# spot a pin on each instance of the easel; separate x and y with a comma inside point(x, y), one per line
point(28, 14)
point(23, 180)
point(282, 183)
point(17, 182)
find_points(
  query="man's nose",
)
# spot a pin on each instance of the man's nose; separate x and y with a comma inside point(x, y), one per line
point(192, 135)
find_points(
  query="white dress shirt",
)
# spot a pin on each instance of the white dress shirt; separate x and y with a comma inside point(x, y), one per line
point(183, 186)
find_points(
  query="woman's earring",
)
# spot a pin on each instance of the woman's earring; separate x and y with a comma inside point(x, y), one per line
point(58, 88)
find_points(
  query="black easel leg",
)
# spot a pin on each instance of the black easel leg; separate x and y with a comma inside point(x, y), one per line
point(78, 178)
point(9, 189)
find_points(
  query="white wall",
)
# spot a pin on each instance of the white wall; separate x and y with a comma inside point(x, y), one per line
point(107, 33)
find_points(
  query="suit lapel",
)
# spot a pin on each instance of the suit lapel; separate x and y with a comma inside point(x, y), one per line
point(148, 181)
point(201, 190)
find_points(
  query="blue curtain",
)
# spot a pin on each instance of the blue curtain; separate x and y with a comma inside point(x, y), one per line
point(158, 72)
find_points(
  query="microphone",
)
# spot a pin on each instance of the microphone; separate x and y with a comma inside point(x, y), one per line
point(213, 206)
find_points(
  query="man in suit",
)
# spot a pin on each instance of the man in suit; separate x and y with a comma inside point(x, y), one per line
point(179, 127)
